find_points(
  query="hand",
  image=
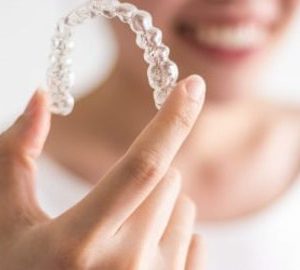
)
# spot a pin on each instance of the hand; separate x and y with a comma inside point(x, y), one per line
point(135, 218)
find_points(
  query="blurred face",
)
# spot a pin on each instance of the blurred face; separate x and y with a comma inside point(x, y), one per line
point(226, 41)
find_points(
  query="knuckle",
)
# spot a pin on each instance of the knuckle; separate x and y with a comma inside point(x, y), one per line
point(144, 167)
point(183, 120)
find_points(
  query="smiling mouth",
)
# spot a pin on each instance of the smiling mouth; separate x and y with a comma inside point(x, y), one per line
point(226, 39)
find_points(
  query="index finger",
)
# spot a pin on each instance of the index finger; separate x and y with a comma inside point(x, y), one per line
point(131, 180)
point(154, 150)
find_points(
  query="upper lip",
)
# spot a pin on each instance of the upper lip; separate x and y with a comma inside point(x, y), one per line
point(189, 26)
point(225, 20)
point(229, 16)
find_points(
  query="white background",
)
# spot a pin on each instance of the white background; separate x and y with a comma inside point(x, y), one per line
point(25, 31)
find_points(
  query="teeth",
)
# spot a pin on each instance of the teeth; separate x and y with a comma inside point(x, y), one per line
point(231, 37)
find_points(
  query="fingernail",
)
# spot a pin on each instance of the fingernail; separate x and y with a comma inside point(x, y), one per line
point(195, 87)
point(32, 104)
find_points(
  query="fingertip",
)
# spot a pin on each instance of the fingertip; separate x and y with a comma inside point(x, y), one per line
point(199, 79)
point(197, 255)
point(43, 95)
point(197, 240)
point(189, 205)
point(35, 123)
point(39, 100)
point(195, 87)
point(198, 247)
point(190, 90)
point(37, 113)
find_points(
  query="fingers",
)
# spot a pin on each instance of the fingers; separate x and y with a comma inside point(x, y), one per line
point(196, 254)
point(148, 223)
point(27, 136)
point(19, 146)
point(177, 237)
point(127, 185)
point(152, 153)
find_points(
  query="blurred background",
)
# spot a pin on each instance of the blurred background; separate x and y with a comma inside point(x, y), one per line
point(27, 26)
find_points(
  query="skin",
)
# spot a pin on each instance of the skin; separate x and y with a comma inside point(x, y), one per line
point(115, 236)
point(227, 176)
point(252, 164)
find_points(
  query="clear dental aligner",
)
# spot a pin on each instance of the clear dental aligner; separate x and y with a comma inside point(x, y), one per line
point(162, 72)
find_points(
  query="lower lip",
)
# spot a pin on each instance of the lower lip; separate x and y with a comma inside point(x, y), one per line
point(219, 54)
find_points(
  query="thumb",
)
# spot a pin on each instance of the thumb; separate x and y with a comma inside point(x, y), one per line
point(29, 133)
point(20, 145)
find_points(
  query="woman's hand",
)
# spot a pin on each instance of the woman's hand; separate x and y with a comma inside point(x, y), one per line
point(135, 218)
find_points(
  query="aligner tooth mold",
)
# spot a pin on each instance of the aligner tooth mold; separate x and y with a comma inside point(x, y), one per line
point(162, 72)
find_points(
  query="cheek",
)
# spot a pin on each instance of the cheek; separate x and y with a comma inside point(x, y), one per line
point(157, 4)
point(162, 11)
point(292, 3)
point(288, 10)
point(164, 14)
point(289, 7)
